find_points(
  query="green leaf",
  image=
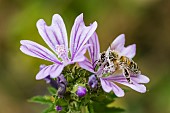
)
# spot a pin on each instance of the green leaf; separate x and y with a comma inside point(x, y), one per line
point(101, 107)
point(90, 108)
point(51, 109)
point(52, 90)
point(61, 102)
point(41, 99)
point(110, 110)
point(111, 96)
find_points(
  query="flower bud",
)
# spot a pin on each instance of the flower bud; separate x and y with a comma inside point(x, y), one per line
point(60, 83)
point(92, 81)
point(48, 79)
point(81, 91)
point(58, 108)
point(61, 79)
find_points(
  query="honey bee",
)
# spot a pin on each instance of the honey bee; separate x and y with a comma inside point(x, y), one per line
point(107, 61)
point(112, 61)
point(129, 67)
point(130, 64)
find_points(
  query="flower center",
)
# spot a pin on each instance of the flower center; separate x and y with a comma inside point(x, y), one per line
point(60, 50)
point(62, 53)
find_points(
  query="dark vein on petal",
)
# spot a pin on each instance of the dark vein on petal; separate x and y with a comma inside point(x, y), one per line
point(48, 37)
point(84, 38)
point(41, 54)
point(55, 37)
point(61, 33)
point(96, 47)
point(75, 35)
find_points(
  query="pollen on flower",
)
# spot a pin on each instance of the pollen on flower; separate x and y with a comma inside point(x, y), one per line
point(60, 50)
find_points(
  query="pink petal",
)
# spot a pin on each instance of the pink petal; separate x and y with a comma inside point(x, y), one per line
point(80, 56)
point(108, 86)
point(135, 86)
point(80, 34)
point(136, 79)
point(55, 34)
point(86, 64)
point(94, 50)
point(56, 71)
point(140, 79)
point(118, 43)
point(105, 85)
point(43, 73)
point(129, 51)
point(36, 50)
point(52, 70)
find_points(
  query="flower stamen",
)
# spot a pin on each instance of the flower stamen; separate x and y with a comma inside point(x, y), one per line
point(60, 50)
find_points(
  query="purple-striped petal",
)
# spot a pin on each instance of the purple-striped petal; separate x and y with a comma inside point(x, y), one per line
point(118, 43)
point(86, 64)
point(43, 73)
point(52, 70)
point(80, 34)
point(136, 80)
point(135, 86)
point(55, 34)
point(36, 50)
point(56, 71)
point(105, 85)
point(140, 79)
point(129, 51)
point(94, 50)
point(108, 86)
point(80, 56)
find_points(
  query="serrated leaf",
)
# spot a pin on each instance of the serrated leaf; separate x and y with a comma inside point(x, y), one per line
point(52, 90)
point(41, 99)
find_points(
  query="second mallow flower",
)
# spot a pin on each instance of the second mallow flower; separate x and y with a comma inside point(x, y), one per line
point(109, 83)
point(56, 38)
point(81, 91)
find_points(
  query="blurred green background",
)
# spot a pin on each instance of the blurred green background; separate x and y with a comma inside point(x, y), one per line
point(144, 22)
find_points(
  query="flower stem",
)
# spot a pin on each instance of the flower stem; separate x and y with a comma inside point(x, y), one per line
point(84, 109)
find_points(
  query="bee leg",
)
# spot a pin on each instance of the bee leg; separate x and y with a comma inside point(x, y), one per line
point(127, 75)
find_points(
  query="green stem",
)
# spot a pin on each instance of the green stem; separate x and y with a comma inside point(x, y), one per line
point(84, 109)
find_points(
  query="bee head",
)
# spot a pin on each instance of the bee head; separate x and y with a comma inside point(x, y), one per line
point(115, 55)
point(102, 55)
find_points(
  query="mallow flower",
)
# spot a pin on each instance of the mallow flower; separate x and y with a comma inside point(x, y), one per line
point(109, 83)
point(55, 36)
